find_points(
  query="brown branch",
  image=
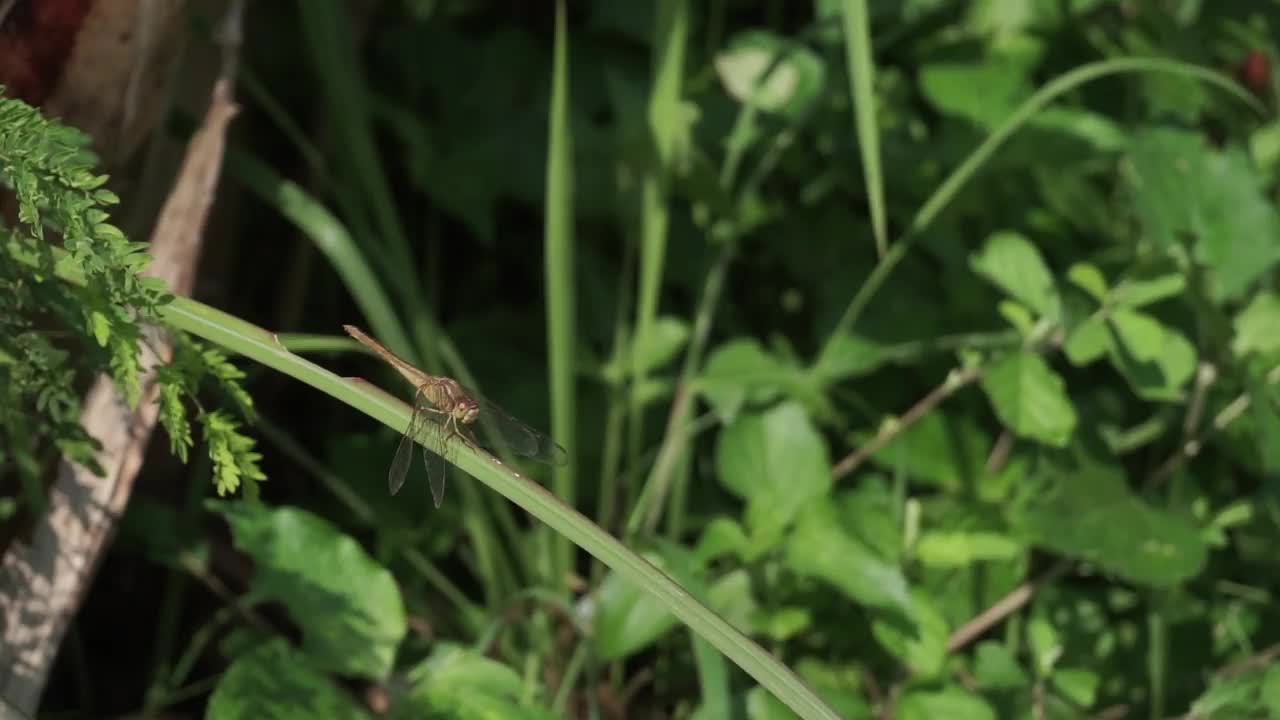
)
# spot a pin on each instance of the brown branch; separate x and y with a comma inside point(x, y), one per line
point(43, 584)
point(956, 380)
point(1003, 608)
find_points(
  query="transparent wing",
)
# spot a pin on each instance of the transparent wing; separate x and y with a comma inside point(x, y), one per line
point(404, 453)
point(503, 432)
point(436, 472)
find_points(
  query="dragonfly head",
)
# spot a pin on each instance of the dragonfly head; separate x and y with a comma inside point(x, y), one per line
point(466, 411)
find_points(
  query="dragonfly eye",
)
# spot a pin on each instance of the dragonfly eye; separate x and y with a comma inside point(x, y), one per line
point(468, 412)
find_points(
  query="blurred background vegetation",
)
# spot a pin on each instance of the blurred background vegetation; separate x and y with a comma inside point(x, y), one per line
point(932, 344)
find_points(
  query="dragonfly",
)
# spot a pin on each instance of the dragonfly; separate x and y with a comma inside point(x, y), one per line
point(446, 411)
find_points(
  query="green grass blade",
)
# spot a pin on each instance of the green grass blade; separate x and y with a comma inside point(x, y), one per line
point(862, 75)
point(258, 345)
point(331, 238)
point(561, 281)
point(671, 38)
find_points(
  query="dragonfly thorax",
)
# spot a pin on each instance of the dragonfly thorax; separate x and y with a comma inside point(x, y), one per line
point(449, 397)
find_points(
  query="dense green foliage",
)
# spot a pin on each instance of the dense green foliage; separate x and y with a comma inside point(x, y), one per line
point(862, 320)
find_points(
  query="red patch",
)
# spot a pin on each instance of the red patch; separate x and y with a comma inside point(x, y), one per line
point(35, 41)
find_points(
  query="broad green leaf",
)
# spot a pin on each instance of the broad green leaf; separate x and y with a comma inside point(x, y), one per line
point(1180, 188)
point(820, 548)
point(1156, 360)
point(347, 605)
point(740, 371)
point(1258, 326)
point(919, 640)
point(1080, 686)
point(1087, 512)
point(276, 682)
point(1270, 690)
point(1088, 341)
point(1013, 264)
point(627, 619)
point(952, 702)
point(867, 512)
point(848, 355)
point(721, 536)
point(777, 462)
point(789, 89)
point(1266, 422)
point(1089, 278)
point(1146, 291)
point(985, 91)
point(1230, 698)
point(1030, 398)
point(462, 684)
point(996, 668)
point(665, 338)
point(1046, 645)
point(100, 326)
point(960, 549)
point(941, 449)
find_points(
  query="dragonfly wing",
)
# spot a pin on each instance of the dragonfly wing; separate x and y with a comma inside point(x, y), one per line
point(508, 433)
point(436, 472)
point(404, 453)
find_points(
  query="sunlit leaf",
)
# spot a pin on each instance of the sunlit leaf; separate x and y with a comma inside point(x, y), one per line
point(797, 76)
point(740, 371)
point(462, 684)
point(1182, 188)
point(1013, 264)
point(276, 682)
point(952, 702)
point(1257, 326)
point(776, 462)
point(1030, 398)
point(348, 606)
point(820, 548)
point(1087, 512)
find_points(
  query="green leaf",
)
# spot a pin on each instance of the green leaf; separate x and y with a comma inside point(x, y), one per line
point(347, 605)
point(996, 668)
point(777, 462)
point(1079, 686)
point(1030, 398)
point(666, 337)
point(940, 449)
point(1089, 278)
point(1182, 188)
point(1088, 341)
point(848, 355)
point(920, 640)
point(462, 684)
point(740, 371)
point(721, 536)
point(628, 619)
point(1046, 645)
point(952, 702)
point(986, 91)
point(1155, 359)
point(276, 682)
point(820, 548)
point(100, 325)
point(1257, 326)
point(792, 86)
point(1139, 292)
point(960, 549)
point(1087, 512)
point(1270, 690)
point(1013, 264)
